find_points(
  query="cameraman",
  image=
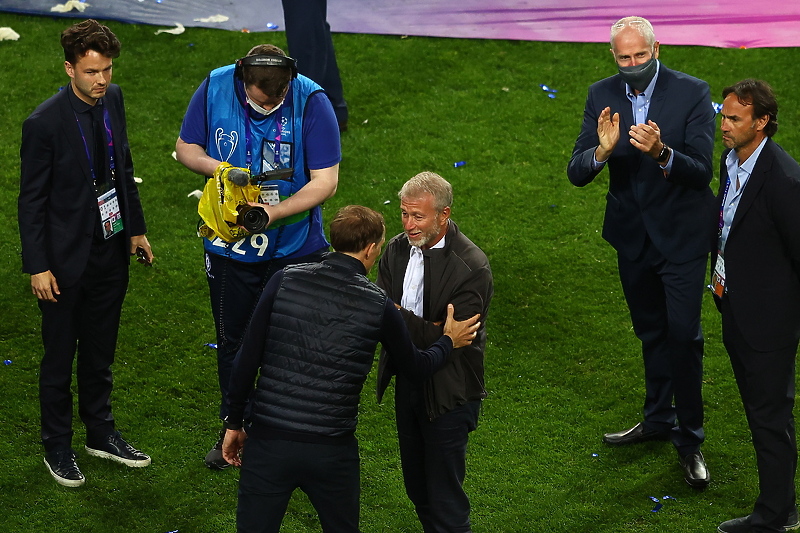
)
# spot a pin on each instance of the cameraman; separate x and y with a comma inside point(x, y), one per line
point(233, 118)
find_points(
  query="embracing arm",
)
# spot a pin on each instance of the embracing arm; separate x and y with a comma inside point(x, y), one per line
point(469, 298)
point(418, 365)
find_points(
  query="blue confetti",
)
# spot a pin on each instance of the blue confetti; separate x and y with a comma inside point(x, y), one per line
point(717, 107)
point(211, 345)
point(459, 164)
point(7, 362)
point(595, 455)
point(272, 26)
point(659, 505)
point(548, 89)
point(551, 95)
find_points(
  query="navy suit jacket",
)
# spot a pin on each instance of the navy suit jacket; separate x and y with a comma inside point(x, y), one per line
point(672, 211)
point(57, 202)
point(762, 252)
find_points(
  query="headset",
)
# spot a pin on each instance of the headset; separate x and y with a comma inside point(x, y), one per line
point(266, 61)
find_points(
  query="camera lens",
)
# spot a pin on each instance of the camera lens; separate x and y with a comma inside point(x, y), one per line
point(252, 218)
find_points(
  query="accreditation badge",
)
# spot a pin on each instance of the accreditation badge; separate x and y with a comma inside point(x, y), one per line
point(718, 277)
point(110, 214)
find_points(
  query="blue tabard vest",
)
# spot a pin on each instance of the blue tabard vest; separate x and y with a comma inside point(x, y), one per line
point(232, 133)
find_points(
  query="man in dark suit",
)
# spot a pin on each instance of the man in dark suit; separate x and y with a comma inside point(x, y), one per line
point(756, 282)
point(656, 218)
point(80, 219)
point(425, 268)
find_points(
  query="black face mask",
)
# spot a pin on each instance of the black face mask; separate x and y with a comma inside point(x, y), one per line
point(639, 76)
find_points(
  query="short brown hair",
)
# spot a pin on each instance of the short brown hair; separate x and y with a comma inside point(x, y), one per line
point(81, 37)
point(758, 94)
point(355, 227)
point(272, 81)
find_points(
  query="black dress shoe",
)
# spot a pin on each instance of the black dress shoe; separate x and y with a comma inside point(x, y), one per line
point(636, 434)
point(695, 471)
point(742, 524)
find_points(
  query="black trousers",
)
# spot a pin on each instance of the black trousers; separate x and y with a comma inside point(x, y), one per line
point(308, 35)
point(433, 456)
point(766, 382)
point(273, 469)
point(235, 288)
point(84, 319)
point(665, 301)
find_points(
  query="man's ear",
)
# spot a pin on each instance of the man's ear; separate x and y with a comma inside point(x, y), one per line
point(761, 122)
point(69, 69)
point(371, 250)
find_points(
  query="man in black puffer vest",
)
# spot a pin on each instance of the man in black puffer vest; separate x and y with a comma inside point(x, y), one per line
point(312, 341)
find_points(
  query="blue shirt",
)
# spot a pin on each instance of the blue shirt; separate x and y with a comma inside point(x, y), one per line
point(320, 129)
point(732, 197)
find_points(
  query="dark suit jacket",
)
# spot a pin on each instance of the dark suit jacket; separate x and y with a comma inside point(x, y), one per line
point(672, 211)
point(459, 274)
point(762, 252)
point(57, 202)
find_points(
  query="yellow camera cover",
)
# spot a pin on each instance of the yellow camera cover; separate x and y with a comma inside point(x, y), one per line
point(219, 205)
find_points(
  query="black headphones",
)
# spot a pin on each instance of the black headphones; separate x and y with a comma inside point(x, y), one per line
point(266, 61)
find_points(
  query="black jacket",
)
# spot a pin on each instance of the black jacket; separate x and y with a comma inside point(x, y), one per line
point(762, 253)
point(459, 274)
point(312, 338)
point(57, 202)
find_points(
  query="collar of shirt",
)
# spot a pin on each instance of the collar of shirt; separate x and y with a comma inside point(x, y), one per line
point(731, 201)
point(746, 168)
point(640, 104)
point(414, 279)
point(78, 105)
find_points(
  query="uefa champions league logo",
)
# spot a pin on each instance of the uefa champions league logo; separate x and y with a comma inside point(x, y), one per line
point(226, 143)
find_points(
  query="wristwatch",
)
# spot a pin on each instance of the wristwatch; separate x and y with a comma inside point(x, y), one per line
point(663, 155)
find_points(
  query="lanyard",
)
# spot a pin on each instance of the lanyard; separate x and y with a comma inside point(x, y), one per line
point(722, 207)
point(248, 137)
point(110, 144)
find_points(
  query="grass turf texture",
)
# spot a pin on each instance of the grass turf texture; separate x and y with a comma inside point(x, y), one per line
point(563, 365)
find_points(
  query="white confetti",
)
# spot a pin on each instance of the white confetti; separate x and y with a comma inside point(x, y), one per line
point(7, 34)
point(177, 30)
point(137, 180)
point(213, 18)
point(69, 6)
point(195, 193)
